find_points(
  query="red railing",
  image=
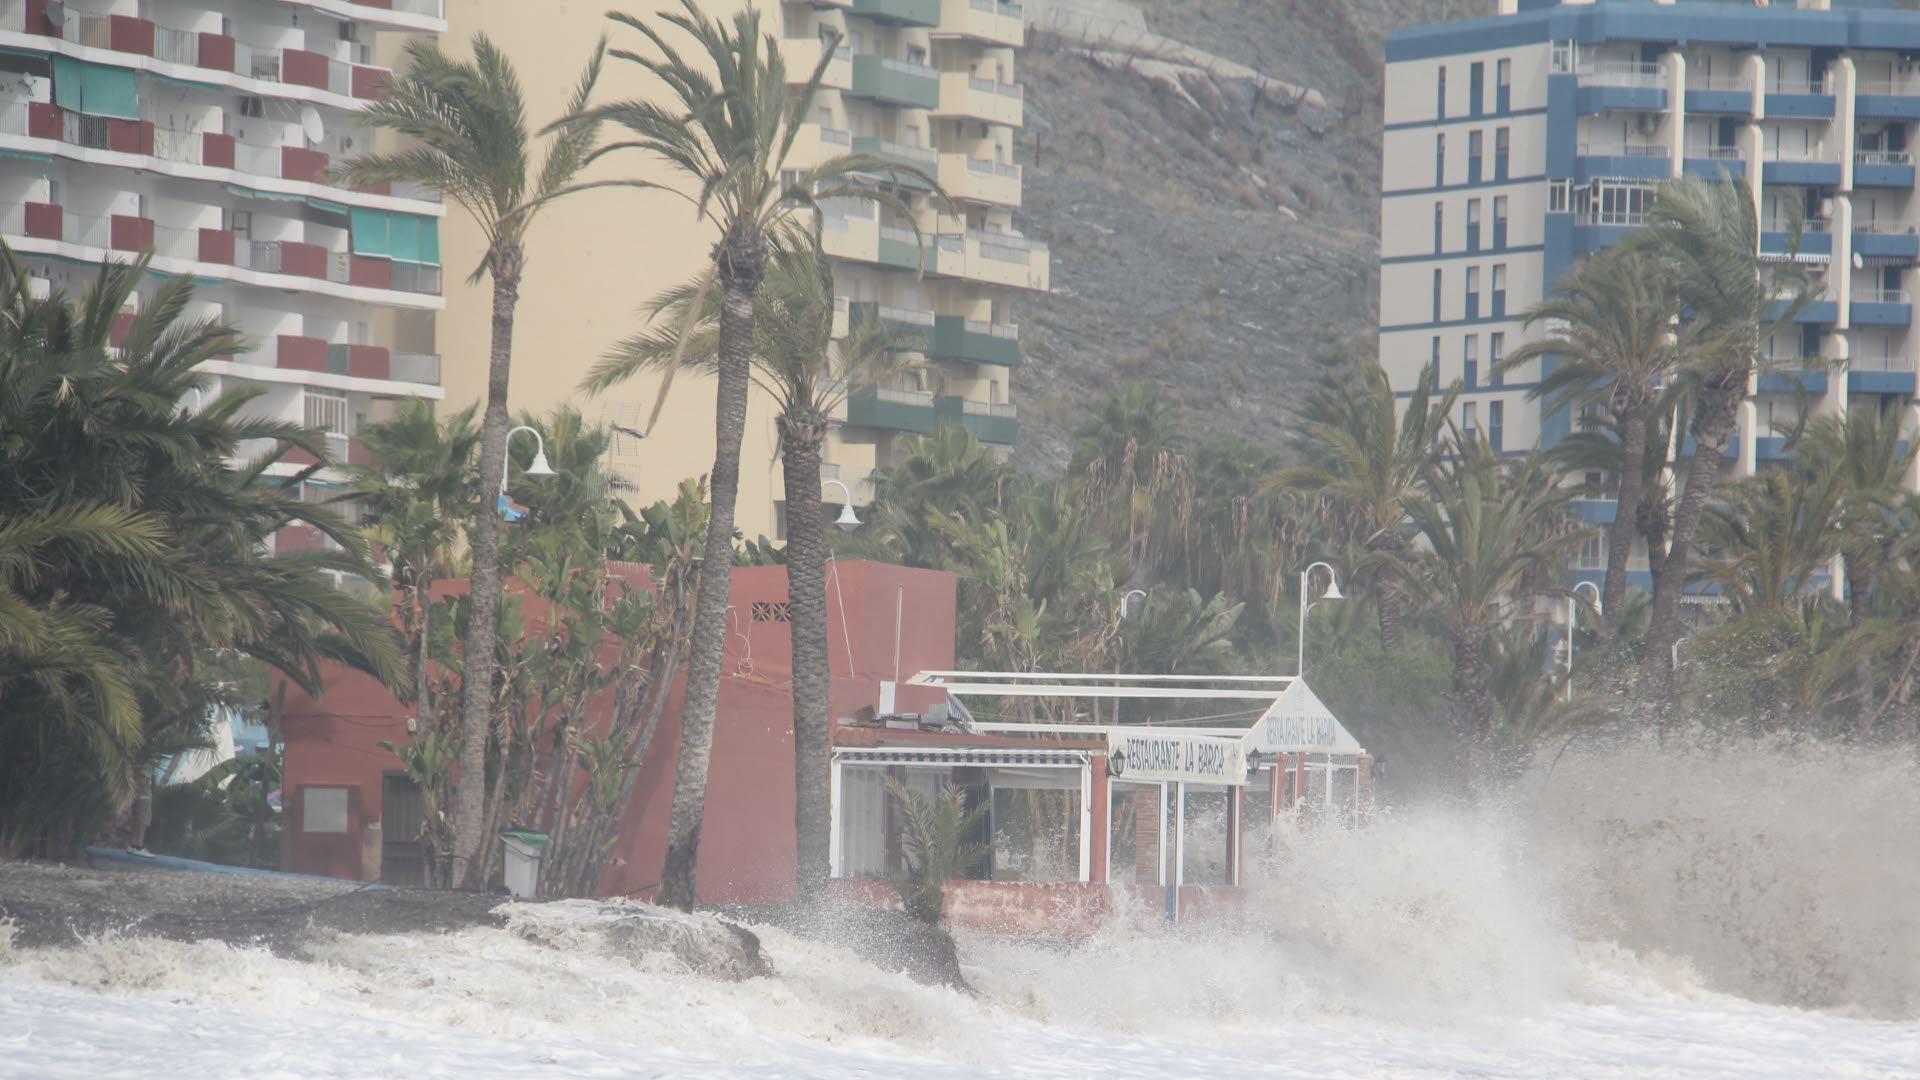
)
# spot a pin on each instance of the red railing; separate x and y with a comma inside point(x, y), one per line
point(298, 353)
point(43, 221)
point(216, 246)
point(128, 233)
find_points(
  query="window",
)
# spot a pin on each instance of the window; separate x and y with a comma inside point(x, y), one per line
point(1499, 222)
point(1496, 424)
point(1473, 224)
point(1496, 352)
point(252, 106)
point(1499, 290)
point(1476, 89)
point(1593, 553)
point(1595, 478)
point(1502, 139)
point(1439, 227)
point(1440, 93)
point(1503, 86)
point(1473, 292)
point(1470, 361)
point(1559, 196)
point(1436, 294)
point(1470, 418)
point(323, 810)
point(1433, 365)
point(1440, 160)
point(1476, 147)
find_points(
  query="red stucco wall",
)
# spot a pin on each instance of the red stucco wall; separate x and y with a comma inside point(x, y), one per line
point(747, 842)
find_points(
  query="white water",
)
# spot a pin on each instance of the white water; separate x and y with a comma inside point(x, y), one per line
point(1642, 915)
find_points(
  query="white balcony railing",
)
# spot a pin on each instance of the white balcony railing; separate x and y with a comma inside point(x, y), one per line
point(910, 316)
point(899, 235)
point(1598, 216)
point(983, 408)
point(1883, 228)
point(908, 67)
point(920, 398)
point(414, 368)
point(1735, 83)
point(1784, 223)
point(1880, 296)
point(916, 155)
point(836, 136)
point(1622, 73)
point(1804, 154)
point(1882, 157)
point(1797, 86)
point(1718, 153)
point(1622, 149)
point(1007, 331)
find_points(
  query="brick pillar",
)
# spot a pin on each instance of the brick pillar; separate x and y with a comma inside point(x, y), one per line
point(1148, 827)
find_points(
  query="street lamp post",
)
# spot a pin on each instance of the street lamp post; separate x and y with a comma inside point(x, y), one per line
point(539, 466)
point(1128, 599)
point(847, 520)
point(1332, 593)
point(1571, 626)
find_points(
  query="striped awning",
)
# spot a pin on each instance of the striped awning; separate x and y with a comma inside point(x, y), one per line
point(991, 757)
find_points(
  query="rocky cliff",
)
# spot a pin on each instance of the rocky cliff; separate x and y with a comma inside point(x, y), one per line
point(1207, 174)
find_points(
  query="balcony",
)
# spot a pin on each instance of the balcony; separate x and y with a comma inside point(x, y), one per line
point(1881, 307)
point(173, 46)
point(1872, 240)
point(421, 368)
point(1777, 236)
point(801, 55)
point(963, 176)
point(1808, 166)
point(995, 425)
point(1728, 94)
point(1715, 162)
point(983, 20)
point(1893, 99)
point(850, 229)
point(998, 259)
point(891, 410)
point(180, 147)
point(1883, 168)
point(915, 157)
point(899, 12)
point(1799, 98)
point(1611, 86)
point(906, 328)
point(978, 342)
point(1822, 307)
point(903, 249)
point(816, 143)
point(964, 95)
point(1788, 376)
point(1623, 160)
point(895, 82)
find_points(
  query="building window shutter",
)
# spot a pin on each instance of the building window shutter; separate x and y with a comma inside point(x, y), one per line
point(66, 82)
point(108, 91)
point(370, 233)
point(405, 236)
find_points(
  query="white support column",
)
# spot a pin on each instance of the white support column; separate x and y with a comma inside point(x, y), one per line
point(1674, 127)
point(1757, 78)
point(1840, 270)
point(1913, 432)
point(1179, 846)
point(1160, 832)
point(836, 852)
point(1749, 459)
point(1236, 805)
point(1086, 822)
point(1844, 78)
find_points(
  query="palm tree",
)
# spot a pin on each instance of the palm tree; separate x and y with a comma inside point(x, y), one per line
point(1767, 536)
point(947, 472)
point(1612, 337)
point(1868, 454)
point(1706, 237)
point(414, 501)
point(132, 550)
point(1494, 537)
point(797, 363)
point(467, 139)
point(728, 135)
point(1130, 463)
point(1365, 457)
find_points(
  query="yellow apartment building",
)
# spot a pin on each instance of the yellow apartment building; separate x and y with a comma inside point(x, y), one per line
point(931, 82)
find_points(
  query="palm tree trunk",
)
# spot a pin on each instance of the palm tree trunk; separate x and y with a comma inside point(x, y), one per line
point(800, 441)
point(1613, 588)
point(1392, 620)
point(1471, 714)
point(1713, 420)
point(742, 261)
point(476, 700)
